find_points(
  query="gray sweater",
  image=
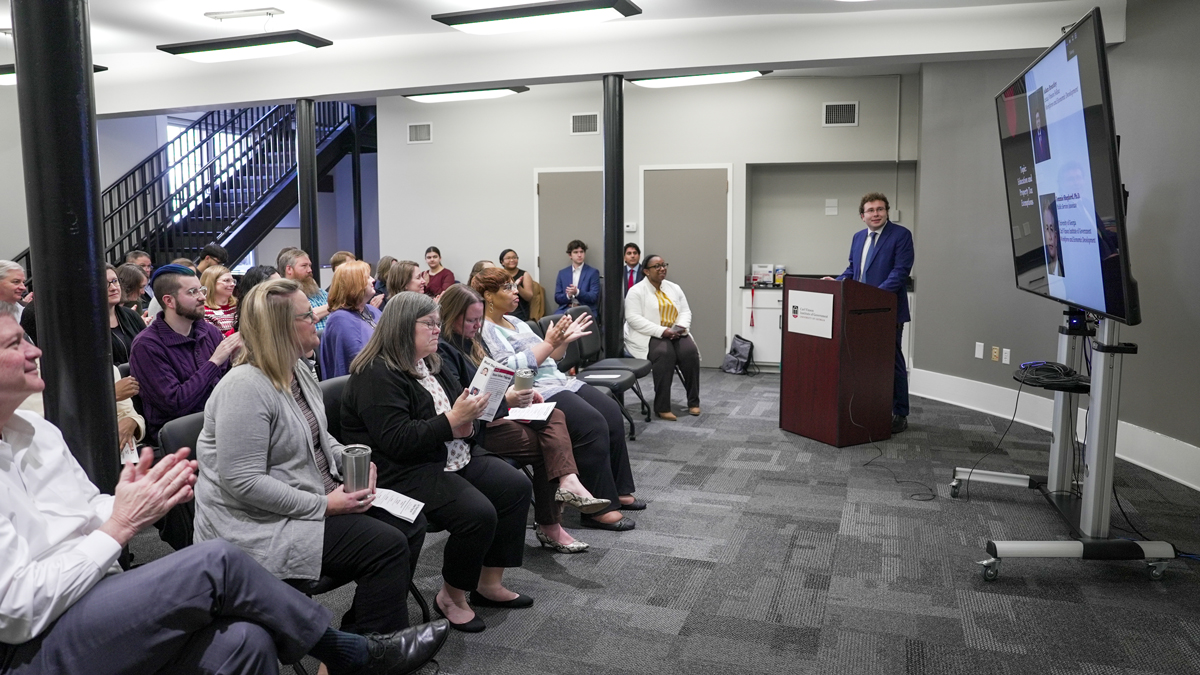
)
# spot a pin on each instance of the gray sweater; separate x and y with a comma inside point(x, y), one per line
point(259, 486)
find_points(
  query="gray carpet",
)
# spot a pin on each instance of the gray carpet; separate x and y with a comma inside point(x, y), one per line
point(764, 552)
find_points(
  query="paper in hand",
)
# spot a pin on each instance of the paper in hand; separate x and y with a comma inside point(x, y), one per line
point(492, 378)
point(403, 507)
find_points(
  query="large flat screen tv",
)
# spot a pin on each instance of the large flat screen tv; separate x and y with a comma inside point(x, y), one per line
point(1065, 198)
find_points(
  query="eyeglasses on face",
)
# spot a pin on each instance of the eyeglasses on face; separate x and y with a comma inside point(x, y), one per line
point(197, 291)
point(114, 282)
point(662, 266)
point(307, 317)
point(431, 324)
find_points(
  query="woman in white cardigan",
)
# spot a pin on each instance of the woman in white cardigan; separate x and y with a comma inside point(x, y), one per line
point(657, 318)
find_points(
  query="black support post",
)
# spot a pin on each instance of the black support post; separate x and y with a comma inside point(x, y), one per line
point(614, 214)
point(62, 193)
point(356, 177)
point(306, 168)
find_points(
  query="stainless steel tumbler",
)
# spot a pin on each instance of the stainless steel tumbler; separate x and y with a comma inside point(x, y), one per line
point(356, 467)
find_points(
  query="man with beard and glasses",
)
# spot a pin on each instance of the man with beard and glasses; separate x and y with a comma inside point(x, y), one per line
point(180, 357)
point(295, 264)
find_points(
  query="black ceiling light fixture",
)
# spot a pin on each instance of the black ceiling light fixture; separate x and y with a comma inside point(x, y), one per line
point(537, 16)
point(261, 45)
point(8, 73)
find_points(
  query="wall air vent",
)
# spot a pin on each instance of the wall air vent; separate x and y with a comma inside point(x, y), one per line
point(843, 114)
point(420, 133)
point(585, 123)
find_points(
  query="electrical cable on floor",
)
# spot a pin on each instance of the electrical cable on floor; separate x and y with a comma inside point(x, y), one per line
point(1016, 405)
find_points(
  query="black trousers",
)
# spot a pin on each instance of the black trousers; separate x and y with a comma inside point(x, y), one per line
point(486, 519)
point(900, 383)
point(598, 437)
point(208, 609)
point(664, 355)
point(379, 552)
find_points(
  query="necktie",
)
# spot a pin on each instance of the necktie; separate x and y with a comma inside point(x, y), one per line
point(630, 284)
point(870, 245)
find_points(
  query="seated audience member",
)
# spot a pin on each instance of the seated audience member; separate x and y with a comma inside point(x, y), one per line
point(131, 427)
point(477, 267)
point(154, 306)
point(510, 262)
point(439, 278)
point(146, 263)
point(133, 285)
point(351, 321)
point(220, 307)
point(593, 418)
point(295, 264)
point(578, 283)
point(253, 277)
point(124, 323)
point(421, 425)
point(180, 357)
point(12, 285)
point(271, 475)
point(186, 262)
point(67, 607)
point(405, 275)
point(381, 270)
point(213, 254)
point(657, 317)
point(546, 445)
point(338, 259)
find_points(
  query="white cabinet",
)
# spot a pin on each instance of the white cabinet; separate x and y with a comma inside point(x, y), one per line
point(765, 305)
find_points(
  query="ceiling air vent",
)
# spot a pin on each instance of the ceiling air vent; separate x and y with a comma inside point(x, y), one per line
point(420, 133)
point(844, 114)
point(585, 123)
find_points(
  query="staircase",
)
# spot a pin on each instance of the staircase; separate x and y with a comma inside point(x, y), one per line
point(229, 178)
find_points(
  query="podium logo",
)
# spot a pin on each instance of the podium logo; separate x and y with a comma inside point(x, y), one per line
point(795, 311)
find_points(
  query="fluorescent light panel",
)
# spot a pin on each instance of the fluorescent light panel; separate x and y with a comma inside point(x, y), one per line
point(467, 95)
point(8, 73)
point(262, 45)
point(244, 13)
point(692, 80)
point(537, 16)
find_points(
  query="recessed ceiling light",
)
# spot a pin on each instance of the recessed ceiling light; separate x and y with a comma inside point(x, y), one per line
point(244, 13)
point(692, 80)
point(537, 16)
point(258, 46)
point(8, 73)
point(467, 95)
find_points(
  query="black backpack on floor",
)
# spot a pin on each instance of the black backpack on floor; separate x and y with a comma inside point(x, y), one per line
point(740, 359)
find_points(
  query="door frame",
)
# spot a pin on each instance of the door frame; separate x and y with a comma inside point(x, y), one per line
point(641, 234)
point(537, 227)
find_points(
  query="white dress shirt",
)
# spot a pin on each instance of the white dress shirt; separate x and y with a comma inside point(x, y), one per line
point(867, 246)
point(49, 515)
point(575, 272)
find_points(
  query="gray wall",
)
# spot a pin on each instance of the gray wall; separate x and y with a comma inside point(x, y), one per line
point(14, 227)
point(964, 269)
point(124, 142)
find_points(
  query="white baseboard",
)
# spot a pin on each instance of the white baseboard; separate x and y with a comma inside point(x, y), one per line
point(1166, 456)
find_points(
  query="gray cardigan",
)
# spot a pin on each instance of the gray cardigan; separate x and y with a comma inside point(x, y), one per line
point(259, 486)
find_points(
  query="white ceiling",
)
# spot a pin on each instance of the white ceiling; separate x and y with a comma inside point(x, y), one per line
point(392, 46)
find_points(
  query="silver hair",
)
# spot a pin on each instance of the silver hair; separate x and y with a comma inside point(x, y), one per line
point(8, 308)
point(7, 267)
point(394, 339)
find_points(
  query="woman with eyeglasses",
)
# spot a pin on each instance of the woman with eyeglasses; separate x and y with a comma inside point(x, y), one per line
point(220, 305)
point(658, 316)
point(271, 476)
point(593, 418)
point(545, 444)
point(352, 318)
point(124, 323)
point(423, 429)
point(524, 283)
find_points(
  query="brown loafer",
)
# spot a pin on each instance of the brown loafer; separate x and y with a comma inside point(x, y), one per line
point(694, 410)
point(668, 416)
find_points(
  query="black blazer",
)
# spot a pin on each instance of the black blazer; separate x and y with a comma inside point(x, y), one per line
point(129, 324)
point(391, 412)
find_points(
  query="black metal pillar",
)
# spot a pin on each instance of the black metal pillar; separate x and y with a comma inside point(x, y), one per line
point(306, 169)
point(614, 214)
point(356, 177)
point(62, 194)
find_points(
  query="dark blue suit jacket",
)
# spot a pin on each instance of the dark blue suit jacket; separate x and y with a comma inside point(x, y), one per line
point(589, 288)
point(638, 274)
point(888, 265)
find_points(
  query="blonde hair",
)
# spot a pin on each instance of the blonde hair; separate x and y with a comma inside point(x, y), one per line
point(349, 284)
point(268, 328)
point(400, 274)
point(208, 279)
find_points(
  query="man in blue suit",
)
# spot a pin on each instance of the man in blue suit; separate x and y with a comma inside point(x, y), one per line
point(579, 282)
point(882, 256)
point(633, 271)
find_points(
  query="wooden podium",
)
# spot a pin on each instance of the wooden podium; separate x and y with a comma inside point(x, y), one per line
point(821, 376)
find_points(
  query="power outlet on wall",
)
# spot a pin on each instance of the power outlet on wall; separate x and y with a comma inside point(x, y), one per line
point(995, 353)
point(979, 350)
point(1006, 356)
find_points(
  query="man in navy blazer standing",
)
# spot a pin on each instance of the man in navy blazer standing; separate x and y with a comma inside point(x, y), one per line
point(633, 272)
point(577, 283)
point(882, 256)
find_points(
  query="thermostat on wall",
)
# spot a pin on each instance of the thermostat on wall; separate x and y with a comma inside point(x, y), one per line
point(631, 227)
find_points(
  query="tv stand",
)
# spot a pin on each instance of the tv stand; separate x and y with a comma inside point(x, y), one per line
point(1086, 514)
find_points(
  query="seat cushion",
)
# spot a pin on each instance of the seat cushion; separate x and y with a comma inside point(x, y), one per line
point(615, 379)
point(639, 367)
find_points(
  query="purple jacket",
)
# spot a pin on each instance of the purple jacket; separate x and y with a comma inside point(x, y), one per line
point(345, 336)
point(173, 370)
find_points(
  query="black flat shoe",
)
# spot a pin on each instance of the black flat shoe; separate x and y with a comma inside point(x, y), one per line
point(637, 505)
point(405, 650)
point(480, 600)
point(899, 423)
point(475, 625)
point(622, 525)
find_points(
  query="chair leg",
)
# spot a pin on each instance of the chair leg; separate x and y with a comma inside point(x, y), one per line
point(298, 668)
point(420, 600)
point(645, 407)
point(624, 413)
